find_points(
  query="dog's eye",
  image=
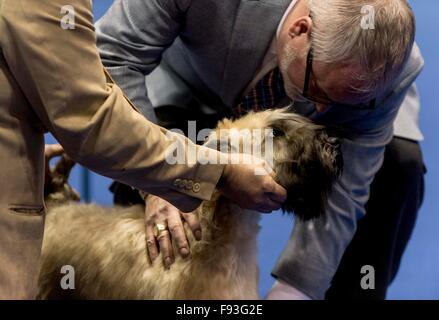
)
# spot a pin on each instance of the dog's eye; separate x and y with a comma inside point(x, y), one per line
point(277, 133)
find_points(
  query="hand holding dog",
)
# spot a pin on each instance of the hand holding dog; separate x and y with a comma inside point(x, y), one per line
point(250, 184)
point(239, 182)
point(159, 211)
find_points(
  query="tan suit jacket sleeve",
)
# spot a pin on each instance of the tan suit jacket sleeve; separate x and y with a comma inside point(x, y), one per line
point(62, 76)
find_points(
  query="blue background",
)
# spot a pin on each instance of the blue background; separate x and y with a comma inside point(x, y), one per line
point(418, 277)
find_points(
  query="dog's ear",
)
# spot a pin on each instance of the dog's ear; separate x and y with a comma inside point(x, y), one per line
point(312, 176)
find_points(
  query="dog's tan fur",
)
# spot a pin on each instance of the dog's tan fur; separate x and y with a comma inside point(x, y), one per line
point(107, 247)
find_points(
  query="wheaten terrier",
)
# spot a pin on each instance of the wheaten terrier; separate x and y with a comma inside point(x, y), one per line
point(107, 247)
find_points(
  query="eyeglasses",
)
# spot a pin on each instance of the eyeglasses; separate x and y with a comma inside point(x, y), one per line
point(319, 98)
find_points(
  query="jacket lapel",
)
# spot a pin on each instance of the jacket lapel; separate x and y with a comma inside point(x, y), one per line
point(255, 27)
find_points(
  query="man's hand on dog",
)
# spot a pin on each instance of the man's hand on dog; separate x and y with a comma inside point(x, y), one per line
point(239, 183)
point(50, 151)
point(159, 211)
point(249, 190)
point(55, 179)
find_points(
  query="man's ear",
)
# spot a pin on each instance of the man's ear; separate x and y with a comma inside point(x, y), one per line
point(301, 26)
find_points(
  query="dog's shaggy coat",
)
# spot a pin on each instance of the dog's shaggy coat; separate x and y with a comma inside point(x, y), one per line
point(107, 246)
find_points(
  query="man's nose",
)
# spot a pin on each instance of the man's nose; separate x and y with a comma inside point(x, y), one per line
point(321, 107)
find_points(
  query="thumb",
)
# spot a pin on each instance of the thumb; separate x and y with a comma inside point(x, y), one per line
point(53, 150)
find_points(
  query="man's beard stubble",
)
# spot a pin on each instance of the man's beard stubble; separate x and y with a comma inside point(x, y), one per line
point(288, 56)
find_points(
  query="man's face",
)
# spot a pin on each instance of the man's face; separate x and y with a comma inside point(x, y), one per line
point(327, 82)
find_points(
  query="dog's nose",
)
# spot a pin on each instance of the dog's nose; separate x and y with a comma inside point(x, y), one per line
point(321, 107)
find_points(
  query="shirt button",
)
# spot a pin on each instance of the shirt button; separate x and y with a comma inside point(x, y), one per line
point(196, 188)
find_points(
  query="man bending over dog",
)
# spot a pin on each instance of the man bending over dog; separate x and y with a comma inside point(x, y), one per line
point(347, 63)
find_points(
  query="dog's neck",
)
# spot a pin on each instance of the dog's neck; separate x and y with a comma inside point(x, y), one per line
point(224, 263)
point(227, 227)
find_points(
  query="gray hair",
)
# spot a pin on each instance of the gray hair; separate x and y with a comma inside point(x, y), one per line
point(339, 36)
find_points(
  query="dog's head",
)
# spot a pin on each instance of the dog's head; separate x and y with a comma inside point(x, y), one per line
point(306, 157)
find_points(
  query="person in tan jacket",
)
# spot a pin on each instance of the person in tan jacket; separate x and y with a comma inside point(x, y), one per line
point(52, 79)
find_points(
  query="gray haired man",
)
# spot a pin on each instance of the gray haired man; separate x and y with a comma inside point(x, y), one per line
point(339, 66)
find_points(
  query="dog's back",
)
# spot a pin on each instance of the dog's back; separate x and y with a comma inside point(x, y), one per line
point(103, 245)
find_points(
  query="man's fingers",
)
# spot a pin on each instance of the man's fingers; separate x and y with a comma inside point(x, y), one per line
point(277, 193)
point(151, 243)
point(166, 248)
point(193, 223)
point(52, 150)
point(267, 205)
point(175, 226)
point(270, 206)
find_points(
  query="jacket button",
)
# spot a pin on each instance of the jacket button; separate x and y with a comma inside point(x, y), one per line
point(196, 188)
point(177, 183)
point(189, 185)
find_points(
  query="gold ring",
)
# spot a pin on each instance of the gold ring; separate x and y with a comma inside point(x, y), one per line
point(158, 229)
